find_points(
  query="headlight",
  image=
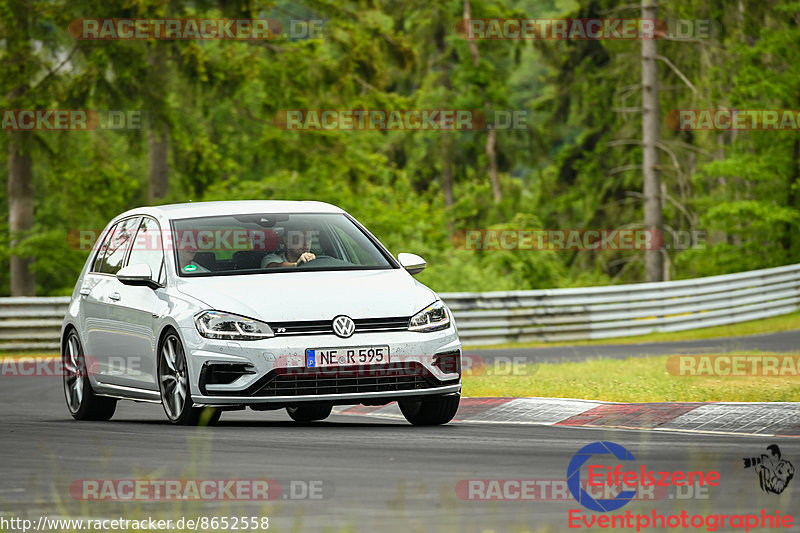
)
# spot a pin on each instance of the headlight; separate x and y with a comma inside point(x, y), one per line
point(432, 318)
point(218, 325)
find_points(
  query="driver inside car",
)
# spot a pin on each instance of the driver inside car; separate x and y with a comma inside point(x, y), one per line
point(297, 243)
point(186, 255)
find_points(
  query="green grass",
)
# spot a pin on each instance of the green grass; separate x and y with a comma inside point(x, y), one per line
point(636, 379)
point(754, 327)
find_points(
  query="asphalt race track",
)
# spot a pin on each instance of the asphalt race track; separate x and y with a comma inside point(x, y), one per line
point(784, 341)
point(376, 475)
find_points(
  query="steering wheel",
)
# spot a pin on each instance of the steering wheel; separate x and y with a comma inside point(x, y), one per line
point(323, 261)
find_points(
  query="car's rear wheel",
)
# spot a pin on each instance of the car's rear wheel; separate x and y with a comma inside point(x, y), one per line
point(173, 382)
point(309, 413)
point(431, 411)
point(82, 402)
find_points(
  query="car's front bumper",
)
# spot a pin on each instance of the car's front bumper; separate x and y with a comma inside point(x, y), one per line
point(278, 374)
point(369, 398)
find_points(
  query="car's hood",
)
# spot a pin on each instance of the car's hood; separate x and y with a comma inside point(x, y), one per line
point(296, 296)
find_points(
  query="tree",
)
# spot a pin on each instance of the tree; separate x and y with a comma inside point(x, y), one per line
point(651, 124)
point(158, 128)
point(20, 70)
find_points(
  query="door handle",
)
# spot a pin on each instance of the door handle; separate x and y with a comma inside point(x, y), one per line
point(114, 296)
point(85, 291)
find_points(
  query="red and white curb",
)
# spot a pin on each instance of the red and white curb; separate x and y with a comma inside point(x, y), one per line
point(769, 419)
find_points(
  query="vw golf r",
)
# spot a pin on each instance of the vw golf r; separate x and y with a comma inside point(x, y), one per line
point(214, 306)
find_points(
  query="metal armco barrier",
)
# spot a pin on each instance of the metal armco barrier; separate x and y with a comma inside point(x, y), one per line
point(530, 316)
point(31, 323)
point(624, 310)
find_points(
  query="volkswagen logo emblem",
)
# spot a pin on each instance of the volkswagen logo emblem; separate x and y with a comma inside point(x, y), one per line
point(343, 326)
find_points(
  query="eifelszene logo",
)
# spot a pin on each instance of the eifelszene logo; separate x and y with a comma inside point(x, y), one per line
point(574, 476)
point(774, 472)
point(624, 471)
point(616, 477)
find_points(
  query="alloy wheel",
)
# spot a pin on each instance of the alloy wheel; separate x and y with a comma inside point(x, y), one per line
point(173, 377)
point(74, 370)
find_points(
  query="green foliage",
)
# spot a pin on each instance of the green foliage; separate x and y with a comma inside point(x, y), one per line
point(576, 165)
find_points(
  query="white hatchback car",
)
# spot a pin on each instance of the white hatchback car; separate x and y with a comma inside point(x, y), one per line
point(205, 307)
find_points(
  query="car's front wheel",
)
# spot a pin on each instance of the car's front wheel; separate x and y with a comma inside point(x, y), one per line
point(431, 411)
point(82, 402)
point(173, 382)
point(309, 413)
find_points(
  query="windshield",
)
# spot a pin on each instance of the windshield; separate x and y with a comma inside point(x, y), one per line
point(263, 243)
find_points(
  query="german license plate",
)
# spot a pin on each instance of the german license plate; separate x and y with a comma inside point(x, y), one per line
point(347, 356)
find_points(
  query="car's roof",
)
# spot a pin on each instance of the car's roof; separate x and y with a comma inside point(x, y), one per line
point(234, 207)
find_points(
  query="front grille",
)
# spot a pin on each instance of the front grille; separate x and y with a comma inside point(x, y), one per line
point(342, 380)
point(325, 327)
point(382, 324)
point(309, 327)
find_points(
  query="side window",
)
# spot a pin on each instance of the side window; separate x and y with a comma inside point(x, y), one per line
point(147, 248)
point(118, 245)
point(101, 252)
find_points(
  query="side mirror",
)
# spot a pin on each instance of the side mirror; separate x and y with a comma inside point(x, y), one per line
point(414, 264)
point(137, 275)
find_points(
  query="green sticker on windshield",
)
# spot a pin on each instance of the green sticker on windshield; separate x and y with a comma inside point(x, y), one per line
point(190, 268)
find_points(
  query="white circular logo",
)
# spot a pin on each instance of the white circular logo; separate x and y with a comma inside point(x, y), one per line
point(343, 326)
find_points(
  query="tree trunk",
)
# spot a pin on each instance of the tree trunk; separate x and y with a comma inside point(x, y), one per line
point(791, 201)
point(158, 136)
point(654, 262)
point(18, 67)
point(491, 155)
point(473, 47)
point(158, 151)
point(491, 135)
point(20, 211)
point(447, 170)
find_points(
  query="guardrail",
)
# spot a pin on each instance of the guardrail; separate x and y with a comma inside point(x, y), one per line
point(624, 310)
point(530, 316)
point(31, 323)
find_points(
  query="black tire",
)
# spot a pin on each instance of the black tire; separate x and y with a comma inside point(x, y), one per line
point(173, 373)
point(82, 402)
point(431, 411)
point(309, 413)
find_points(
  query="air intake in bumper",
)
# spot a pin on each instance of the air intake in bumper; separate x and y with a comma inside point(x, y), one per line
point(341, 380)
